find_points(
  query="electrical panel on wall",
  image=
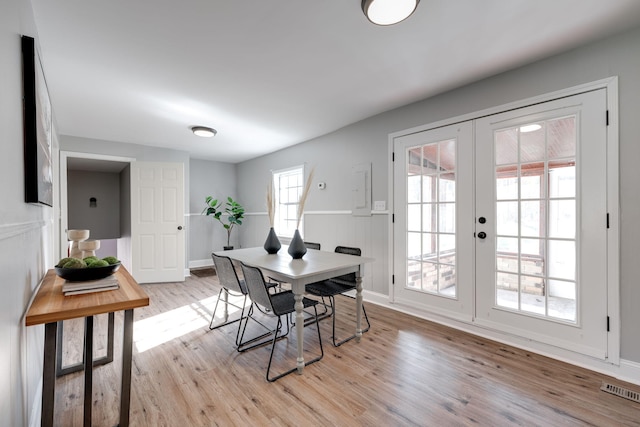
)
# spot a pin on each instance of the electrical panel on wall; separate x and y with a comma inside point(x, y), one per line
point(361, 189)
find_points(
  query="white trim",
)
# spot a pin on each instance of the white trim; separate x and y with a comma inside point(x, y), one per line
point(613, 236)
point(336, 212)
point(8, 231)
point(198, 263)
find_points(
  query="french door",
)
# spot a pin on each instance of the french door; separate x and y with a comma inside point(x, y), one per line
point(433, 175)
point(541, 223)
point(502, 221)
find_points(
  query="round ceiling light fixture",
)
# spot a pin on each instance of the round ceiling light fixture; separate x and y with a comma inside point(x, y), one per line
point(530, 128)
point(388, 12)
point(204, 131)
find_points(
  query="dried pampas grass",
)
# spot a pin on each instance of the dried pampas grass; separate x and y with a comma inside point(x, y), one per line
point(303, 197)
point(271, 204)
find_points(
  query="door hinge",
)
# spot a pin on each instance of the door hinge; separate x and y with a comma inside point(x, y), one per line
point(608, 330)
point(607, 117)
point(393, 218)
point(393, 156)
point(607, 220)
point(393, 279)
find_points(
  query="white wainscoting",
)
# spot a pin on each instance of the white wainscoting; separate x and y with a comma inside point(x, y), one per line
point(336, 228)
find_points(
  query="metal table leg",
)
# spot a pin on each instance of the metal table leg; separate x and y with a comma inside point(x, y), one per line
point(127, 352)
point(88, 369)
point(49, 374)
point(64, 370)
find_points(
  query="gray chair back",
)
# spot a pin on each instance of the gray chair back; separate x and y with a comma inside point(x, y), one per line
point(227, 274)
point(256, 286)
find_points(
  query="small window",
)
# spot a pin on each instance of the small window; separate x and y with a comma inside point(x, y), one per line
point(288, 185)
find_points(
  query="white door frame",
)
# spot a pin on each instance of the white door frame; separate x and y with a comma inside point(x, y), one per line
point(613, 193)
point(64, 214)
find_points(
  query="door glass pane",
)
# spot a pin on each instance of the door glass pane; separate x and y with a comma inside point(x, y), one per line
point(447, 218)
point(562, 178)
point(532, 181)
point(431, 217)
point(532, 142)
point(413, 188)
point(536, 218)
point(507, 290)
point(532, 256)
point(561, 135)
point(532, 294)
point(532, 219)
point(562, 300)
point(507, 218)
point(562, 259)
point(562, 218)
point(413, 218)
point(506, 146)
point(507, 182)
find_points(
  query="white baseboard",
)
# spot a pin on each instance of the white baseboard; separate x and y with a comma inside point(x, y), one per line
point(199, 263)
point(627, 370)
point(35, 415)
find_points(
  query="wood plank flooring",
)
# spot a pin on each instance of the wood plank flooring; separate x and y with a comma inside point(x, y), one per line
point(404, 372)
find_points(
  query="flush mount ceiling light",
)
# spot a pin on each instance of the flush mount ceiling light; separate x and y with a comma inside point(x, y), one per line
point(388, 12)
point(530, 128)
point(204, 131)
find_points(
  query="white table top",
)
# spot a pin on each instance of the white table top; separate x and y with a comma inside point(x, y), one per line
point(315, 265)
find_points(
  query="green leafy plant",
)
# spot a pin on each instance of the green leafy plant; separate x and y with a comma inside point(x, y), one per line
point(229, 213)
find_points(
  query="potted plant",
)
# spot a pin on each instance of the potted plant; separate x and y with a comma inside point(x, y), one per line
point(229, 216)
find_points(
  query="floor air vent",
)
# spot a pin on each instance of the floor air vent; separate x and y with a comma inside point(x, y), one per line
point(621, 391)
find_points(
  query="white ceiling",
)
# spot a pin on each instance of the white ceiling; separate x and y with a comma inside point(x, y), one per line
point(268, 74)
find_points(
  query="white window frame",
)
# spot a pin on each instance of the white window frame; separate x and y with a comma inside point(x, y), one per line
point(286, 207)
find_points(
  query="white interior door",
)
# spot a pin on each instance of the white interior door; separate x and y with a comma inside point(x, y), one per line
point(433, 221)
point(541, 212)
point(157, 215)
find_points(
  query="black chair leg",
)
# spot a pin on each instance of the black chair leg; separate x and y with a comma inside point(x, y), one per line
point(333, 335)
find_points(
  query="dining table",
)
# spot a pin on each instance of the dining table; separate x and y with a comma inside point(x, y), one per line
point(314, 266)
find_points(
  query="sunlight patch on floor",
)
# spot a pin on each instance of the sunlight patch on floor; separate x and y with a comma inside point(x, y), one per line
point(159, 329)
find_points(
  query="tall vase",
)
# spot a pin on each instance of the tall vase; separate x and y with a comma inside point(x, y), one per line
point(272, 244)
point(297, 249)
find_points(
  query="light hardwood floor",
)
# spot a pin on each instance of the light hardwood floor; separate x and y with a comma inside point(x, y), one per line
point(404, 372)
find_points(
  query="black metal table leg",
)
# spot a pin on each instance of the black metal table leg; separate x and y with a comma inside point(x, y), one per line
point(49, 374)
point(88, 369)
point(108, 358)
point(127, 353)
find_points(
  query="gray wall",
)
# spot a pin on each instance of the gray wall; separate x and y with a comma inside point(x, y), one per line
point(367, 141)
point(26, 234)
point(218, 180)
point(103, 220)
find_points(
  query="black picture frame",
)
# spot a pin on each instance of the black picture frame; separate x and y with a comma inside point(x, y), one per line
point(38, 173)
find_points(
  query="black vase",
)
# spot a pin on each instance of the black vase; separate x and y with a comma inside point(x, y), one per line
point(297, 249)
point(272, 244)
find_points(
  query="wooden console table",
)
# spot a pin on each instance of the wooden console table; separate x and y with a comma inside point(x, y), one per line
point(50, 306)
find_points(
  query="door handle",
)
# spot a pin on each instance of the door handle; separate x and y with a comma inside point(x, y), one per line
point(179, 227)
point(482, 235)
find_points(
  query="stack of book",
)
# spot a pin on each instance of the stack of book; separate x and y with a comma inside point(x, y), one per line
point(76, 288)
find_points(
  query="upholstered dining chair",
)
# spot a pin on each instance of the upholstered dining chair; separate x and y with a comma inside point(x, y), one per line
point(279, 305)
point(329, 289)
